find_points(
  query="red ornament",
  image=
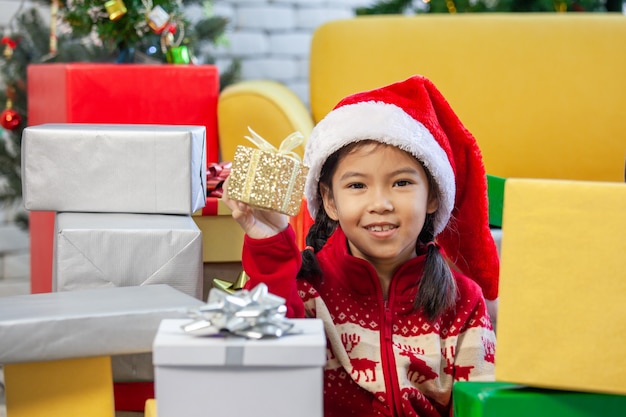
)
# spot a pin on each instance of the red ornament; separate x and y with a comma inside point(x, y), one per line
point(11, 43)
point(9, 46)
point(10, 119)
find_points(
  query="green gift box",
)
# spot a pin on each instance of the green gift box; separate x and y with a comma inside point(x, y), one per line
point(495, 193)
point(501, 399)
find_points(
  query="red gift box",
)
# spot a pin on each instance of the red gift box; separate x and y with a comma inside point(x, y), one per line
point(114, 93)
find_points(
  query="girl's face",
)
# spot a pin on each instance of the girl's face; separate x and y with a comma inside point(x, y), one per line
point(380, 196)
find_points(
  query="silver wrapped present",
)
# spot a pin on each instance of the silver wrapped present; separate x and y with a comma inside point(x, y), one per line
point(114, 168)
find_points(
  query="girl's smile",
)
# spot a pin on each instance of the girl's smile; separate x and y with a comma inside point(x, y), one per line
point(377, 228)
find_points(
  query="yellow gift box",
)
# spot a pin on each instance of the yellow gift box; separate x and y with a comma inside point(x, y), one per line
point(222, 237)
point(562, 316)
point(267, 177)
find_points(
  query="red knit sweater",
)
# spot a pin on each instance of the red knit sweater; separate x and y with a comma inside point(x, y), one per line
point(383, 357)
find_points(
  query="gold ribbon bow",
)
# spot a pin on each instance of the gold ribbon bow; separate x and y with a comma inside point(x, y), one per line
point(286, 148)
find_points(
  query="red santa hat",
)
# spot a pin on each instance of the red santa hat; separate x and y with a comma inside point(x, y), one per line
point(414, 116)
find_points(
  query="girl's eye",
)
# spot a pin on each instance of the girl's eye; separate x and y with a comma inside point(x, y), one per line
point(356, 185)
point(402, 183)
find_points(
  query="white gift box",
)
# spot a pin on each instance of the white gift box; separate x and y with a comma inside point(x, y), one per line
point(114, 168)
point(233, 376)
point(96, 322)
point(127, 249)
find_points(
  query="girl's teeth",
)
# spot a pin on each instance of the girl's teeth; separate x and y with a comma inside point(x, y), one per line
point(381, 228)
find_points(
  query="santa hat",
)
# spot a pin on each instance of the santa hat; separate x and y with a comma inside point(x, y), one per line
point(414, 116)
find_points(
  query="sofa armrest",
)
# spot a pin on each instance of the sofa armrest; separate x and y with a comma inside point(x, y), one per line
point(268, 107)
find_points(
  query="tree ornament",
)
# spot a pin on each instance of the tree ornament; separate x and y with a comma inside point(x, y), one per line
point(172, 28)
point(175, 53)
point(178, 55)
point(115, 9)
point(451, 6)
point(9, 46)
point(157, 19)
point(9, 118)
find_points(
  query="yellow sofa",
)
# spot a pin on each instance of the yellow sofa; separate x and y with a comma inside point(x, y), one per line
point(544, 94)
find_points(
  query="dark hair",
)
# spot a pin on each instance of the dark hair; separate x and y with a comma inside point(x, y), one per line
point(437, 290)
point(323, 226)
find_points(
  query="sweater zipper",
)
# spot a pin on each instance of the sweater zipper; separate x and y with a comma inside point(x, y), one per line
point(389, 360)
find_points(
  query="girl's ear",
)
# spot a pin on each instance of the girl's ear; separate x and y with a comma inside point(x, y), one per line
point(433, 203)
point(329, 202)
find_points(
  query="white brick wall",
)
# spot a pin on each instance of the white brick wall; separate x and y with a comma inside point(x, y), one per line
point(8, 8)
point(270, 37)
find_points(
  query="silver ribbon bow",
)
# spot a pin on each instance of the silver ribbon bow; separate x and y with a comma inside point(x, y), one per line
point(253, 314)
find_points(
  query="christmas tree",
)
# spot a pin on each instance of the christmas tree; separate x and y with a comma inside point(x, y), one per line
point(155, 29)
point(29, 42)
point(81, 31)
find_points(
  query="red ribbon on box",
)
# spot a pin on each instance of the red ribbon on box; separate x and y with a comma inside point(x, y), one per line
point(217, 172)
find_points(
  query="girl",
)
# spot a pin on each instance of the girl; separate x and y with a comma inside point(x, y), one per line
point(388, 168)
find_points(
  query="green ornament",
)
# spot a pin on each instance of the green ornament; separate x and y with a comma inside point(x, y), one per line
point(178, 55)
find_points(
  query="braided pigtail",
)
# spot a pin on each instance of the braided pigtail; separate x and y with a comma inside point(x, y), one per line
point(317, 236)
point(324, 226)
point(437, 290)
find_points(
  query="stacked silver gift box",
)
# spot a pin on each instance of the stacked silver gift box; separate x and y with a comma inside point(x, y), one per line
point(123, 197)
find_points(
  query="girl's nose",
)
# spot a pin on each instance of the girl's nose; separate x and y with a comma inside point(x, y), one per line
point(380, 202)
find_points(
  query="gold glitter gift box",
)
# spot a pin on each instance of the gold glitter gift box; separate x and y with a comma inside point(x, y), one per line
point(267, 177)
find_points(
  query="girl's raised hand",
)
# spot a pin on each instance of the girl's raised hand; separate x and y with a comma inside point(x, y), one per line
point(256, 223)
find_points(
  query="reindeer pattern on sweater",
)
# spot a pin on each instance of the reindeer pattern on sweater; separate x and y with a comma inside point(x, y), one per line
point(411, 368)
point(384, 358)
